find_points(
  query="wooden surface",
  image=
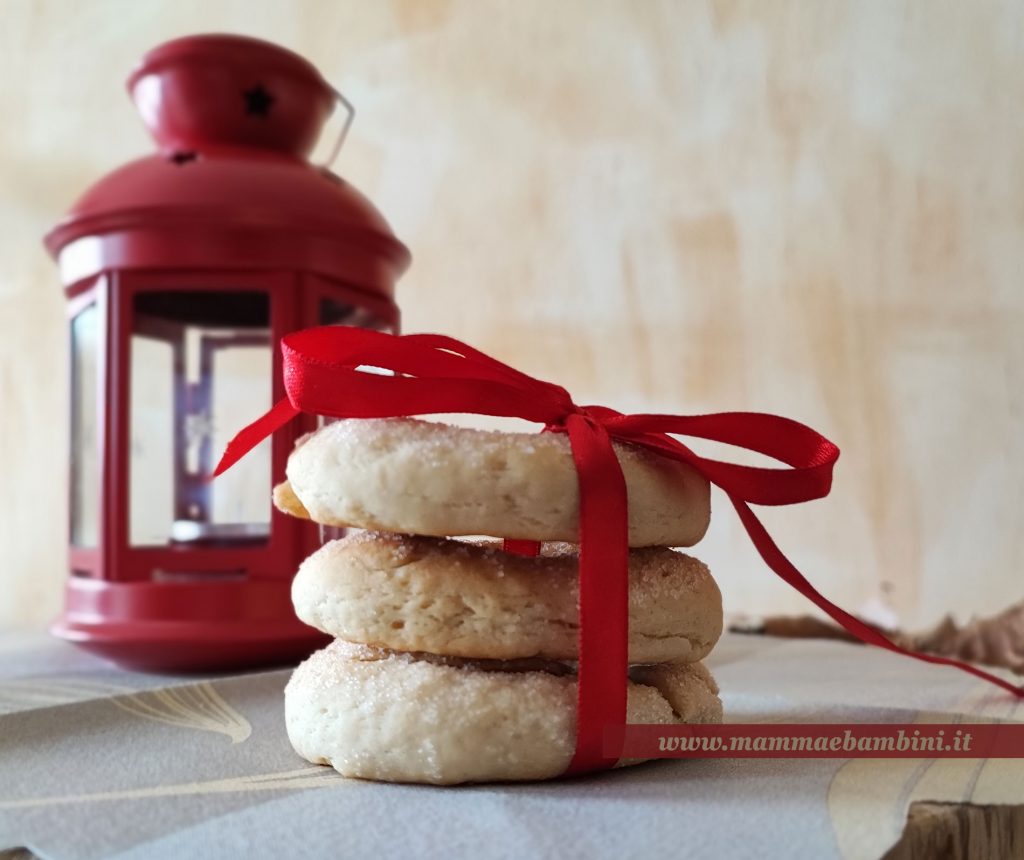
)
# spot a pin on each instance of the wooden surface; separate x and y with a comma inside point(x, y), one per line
point(815, 209)
point(960, 831)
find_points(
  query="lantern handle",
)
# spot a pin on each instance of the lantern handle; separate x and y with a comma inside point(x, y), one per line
point(351, 115)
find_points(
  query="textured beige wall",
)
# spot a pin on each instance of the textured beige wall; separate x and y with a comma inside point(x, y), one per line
point(810, 208)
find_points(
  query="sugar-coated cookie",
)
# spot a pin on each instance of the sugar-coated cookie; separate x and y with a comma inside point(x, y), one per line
point(399, 717)
point(473, 600)
point(422, 477)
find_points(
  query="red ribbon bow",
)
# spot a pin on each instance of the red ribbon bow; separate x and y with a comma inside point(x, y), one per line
point(437, 374)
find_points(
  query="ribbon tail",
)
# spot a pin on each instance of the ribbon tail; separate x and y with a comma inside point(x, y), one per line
point(249, 437)
point(604, 594)
point(782, 566)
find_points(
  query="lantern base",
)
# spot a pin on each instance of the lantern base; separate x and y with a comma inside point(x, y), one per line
point(186, 627)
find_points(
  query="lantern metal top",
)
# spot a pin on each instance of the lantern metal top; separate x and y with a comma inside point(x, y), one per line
point(235, 119)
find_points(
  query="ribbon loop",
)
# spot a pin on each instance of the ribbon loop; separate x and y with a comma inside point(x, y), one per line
point(783, 439)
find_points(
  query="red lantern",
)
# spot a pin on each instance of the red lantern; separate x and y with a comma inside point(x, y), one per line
point(182, 270)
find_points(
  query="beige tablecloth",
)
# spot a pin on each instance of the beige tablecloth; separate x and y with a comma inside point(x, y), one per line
point(100, 763)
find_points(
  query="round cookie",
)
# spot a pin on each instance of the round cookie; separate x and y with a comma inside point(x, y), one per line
point(473, 600)
point(408, 718)
point(422, 477)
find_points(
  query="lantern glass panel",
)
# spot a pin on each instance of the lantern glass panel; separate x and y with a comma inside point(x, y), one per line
point(201, 369)
point(85, 450)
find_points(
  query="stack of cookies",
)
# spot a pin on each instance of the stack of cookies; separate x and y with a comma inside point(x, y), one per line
point(454, 661)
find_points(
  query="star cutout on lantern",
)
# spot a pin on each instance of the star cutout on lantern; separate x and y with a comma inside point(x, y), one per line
point(257, 101)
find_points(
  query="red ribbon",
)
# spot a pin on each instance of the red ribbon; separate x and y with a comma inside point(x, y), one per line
point(325, 374)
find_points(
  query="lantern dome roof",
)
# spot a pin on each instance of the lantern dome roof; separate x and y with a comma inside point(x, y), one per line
point(226, 188)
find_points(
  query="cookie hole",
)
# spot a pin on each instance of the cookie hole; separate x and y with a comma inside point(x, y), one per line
point(397, 625)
